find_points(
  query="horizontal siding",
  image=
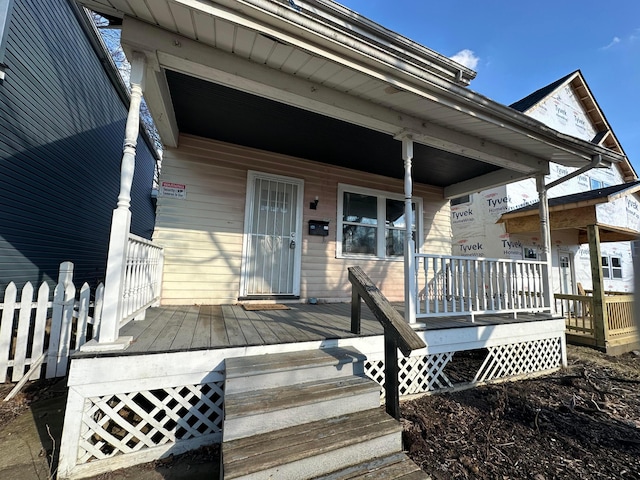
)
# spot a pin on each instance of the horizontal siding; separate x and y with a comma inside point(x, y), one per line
point(61, 132)
point(203, 233)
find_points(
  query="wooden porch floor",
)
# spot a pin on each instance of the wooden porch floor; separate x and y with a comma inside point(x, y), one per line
point(197, 327)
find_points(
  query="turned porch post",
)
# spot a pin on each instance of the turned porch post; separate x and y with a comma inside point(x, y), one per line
point(409, 243)
point(121, 220)
point(545, 235)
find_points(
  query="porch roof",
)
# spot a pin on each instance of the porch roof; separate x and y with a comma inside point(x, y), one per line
point(332, 86)
point(575, 211)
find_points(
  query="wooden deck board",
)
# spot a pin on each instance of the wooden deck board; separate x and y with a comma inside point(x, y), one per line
point(234, 330)
point(219, 336)
point(187, 330)
point(214, 326)
point(251, 334)
point(202, 330)
point(167, 336)
point(267, 334)
point(143, 342)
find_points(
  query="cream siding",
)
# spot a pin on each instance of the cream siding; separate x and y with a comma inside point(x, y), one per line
point(202, 234)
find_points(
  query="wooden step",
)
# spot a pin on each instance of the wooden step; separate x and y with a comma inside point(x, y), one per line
point(245, 374)
point(252, 413)
point(392, 467)
point(309, 450)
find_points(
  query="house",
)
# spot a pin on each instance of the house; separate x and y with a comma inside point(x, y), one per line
point(63, 111)
point(505, 222)
point(302, 140)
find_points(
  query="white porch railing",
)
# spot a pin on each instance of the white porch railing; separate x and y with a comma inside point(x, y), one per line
point(458, 286)
point(143, 277)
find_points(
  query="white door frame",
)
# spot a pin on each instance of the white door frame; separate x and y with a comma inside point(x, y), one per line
point(252, 175)
point(572, 277)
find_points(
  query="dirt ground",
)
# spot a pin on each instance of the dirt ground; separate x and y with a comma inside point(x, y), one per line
point(582, 422)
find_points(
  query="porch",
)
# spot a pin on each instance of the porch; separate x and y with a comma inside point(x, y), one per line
point(197, 327)
point(164, 394)
point(609, 326)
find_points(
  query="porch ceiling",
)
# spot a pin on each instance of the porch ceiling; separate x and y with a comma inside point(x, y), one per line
point(214, 111)
point(331, 86)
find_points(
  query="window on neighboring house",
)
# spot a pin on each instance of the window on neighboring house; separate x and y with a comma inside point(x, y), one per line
point(611, 267)
point(372, 223)
point(460, 200)
point(596, 184)
point(5, 20)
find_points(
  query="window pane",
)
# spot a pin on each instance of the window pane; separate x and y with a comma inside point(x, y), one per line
point(617, 273)
point(395, 214)
point(357, 239)
point(605, 273)
point(395, 242)
point(615, 262)
point(360, 208)
point(460, 200)
point(605, 261)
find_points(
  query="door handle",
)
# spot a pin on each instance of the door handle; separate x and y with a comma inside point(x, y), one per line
point(292, 244)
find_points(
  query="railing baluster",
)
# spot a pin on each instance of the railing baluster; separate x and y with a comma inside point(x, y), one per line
point(464, 285)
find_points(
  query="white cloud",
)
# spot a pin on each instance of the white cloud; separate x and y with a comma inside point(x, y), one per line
point(613, 42)
point(467, 58)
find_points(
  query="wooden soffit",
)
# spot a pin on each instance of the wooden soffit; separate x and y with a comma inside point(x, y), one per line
point(577, 218)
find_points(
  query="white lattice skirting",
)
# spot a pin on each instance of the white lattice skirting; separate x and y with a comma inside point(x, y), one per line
point(129, 422)
point(426, 373)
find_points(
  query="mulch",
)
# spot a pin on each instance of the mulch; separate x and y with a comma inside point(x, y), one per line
point(582, 422)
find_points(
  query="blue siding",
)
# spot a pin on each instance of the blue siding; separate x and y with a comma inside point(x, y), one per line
point(61, 133)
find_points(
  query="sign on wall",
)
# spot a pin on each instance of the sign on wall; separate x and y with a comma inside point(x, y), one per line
point(173, 190)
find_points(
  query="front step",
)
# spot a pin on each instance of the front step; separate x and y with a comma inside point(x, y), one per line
point(246, 374)
point(310, 450)
point(252, 413)
point(309, 414)
point(396, 466)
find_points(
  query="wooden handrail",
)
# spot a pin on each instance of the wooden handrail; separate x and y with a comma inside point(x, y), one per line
point(397, 333)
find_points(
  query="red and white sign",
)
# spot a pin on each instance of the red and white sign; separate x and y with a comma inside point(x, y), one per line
point(173, 190)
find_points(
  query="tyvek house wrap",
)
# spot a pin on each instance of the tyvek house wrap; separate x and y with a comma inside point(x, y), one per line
point(476, 233)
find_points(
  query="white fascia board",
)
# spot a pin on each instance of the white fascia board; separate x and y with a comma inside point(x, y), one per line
point(483, 182)
point(193, 58)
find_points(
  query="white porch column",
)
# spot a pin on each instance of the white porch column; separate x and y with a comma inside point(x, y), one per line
point(545, 235)
point(409, 244)
point(121, 221)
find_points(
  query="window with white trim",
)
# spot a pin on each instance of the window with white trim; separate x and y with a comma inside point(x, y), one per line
point(611, 267)
point(371, 223)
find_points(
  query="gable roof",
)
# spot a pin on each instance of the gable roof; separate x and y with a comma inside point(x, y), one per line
point(605, 135)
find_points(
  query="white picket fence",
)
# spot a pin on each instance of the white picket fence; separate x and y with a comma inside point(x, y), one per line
point(46, 330)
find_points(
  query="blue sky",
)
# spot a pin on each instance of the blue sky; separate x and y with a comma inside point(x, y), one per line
point(520, 46)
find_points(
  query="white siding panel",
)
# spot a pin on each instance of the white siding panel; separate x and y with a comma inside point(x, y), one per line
point(203, 233)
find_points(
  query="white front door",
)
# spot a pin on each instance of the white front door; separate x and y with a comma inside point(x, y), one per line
point(272, 240)
point(566, 274)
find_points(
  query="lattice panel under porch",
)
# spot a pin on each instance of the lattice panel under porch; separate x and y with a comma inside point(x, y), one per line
point(520, 358)
point(427, 373)
point(416, 374)
point(128, 422)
